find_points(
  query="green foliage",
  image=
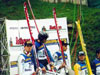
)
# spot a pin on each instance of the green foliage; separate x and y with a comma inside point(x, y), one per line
point(91, 29)
point(94, 3)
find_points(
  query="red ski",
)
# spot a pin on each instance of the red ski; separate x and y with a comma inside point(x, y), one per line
point(48, 59)
point(60, 43)
point(32, 38)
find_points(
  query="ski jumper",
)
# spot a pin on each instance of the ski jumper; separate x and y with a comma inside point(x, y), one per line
point(59, 60)
point(25, 65)
point(96, 66)
point(41, 54)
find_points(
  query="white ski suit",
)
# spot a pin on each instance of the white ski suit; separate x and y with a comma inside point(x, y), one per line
point(25, 65)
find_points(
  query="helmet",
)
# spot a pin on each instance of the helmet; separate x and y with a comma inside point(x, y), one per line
point(42, 36)
point(98, 50)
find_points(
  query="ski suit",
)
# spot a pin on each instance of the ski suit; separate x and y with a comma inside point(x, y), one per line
point(80, 68)
point(96, 66)
point(59, 60)
point(25, 65)
point(41, 54)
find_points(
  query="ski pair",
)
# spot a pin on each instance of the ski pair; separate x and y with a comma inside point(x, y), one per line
point(48, 59)
point(32, 38)
point(60, 43)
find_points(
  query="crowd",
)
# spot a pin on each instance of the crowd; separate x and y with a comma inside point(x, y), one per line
point(55, 65)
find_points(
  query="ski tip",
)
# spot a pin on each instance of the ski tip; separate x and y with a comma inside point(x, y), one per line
point(54, 8)
point(25, 3)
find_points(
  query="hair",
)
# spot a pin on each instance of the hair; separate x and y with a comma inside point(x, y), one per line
point(26, 42)
point(97, 51)
point(42, 36)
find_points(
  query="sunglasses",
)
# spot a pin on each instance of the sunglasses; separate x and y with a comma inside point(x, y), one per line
point(29, 45)
point(65, 45)
point(82, 55)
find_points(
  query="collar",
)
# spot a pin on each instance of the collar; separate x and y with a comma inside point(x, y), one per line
point(97, 59)
point(27, 53)
point(82, 62)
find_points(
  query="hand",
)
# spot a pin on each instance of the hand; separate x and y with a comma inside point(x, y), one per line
point(43, 70)
point(63, 65)
point(37, 70)
point(34, 73)
point(51, 64)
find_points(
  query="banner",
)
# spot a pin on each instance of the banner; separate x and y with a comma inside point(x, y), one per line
point(18, 33)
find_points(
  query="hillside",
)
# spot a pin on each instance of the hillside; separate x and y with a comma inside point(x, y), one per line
point(13, 9)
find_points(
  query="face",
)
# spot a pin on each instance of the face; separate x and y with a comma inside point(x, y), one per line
point(98, 55)
point(28, 48)
point(44, 40)
point(64, 47)
point(81, 58)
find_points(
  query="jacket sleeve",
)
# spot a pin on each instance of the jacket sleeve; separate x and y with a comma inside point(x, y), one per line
point(49, 54)
point(21, 65)
point(76, 69)
point(55, 56)
point(93, 66)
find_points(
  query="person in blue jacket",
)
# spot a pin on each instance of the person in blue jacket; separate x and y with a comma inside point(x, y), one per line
point(96, 63)
point(42, 51)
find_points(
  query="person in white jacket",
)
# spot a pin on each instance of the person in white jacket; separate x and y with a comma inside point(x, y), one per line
point(25, 64)
point(63, 68)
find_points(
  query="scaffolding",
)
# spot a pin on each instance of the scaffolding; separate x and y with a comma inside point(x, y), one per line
point(4, 54)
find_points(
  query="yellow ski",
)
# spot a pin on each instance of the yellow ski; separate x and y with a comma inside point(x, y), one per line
point(83, 47)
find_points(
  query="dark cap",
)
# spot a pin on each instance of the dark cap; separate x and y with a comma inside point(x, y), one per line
point(28, 43)
point(64, 43)
point(81, 53)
